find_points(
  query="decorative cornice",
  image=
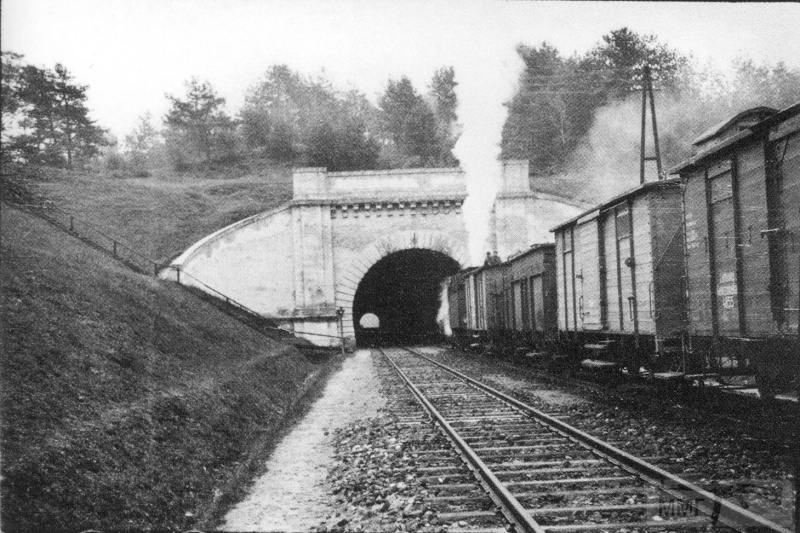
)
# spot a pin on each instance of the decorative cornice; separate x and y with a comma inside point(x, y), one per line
point(402, 207)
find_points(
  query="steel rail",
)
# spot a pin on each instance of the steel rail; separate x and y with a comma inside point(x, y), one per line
point(511, 508)
point(704, 501)
point(600, 388)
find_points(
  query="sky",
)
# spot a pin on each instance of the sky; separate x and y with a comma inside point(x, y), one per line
point(132, 52)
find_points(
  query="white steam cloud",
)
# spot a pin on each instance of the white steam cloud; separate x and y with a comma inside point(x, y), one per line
point(482, 90)
point(443, 316)
point(607, 160)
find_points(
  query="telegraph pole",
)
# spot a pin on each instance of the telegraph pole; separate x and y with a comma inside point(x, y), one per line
point(647, 92)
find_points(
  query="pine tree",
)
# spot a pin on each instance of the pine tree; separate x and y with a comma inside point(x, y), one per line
point(53, 116)
point(78, 135)
point(197, 121)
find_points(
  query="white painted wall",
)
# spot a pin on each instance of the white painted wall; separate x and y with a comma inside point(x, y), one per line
point(250, 261)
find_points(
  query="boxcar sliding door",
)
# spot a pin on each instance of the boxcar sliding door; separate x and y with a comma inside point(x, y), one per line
point(480, 301)
point(519, 302)
point(525, 300)
point(537, 303)
point(700, 308)
point(588, 286)
point(786, 153)
point(627, 302)
point(568, 298)
point(723, 242)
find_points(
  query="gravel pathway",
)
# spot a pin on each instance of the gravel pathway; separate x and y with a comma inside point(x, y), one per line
point(398, 472)
point(292, 495)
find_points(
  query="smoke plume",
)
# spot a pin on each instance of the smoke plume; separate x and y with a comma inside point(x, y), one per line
point(481, 95)
point(607, 161)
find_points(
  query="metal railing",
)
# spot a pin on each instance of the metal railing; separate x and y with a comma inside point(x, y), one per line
point(95, 236)
point(179, 273)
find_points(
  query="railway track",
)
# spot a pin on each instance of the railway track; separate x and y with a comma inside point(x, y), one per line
point(545, 475)
point(706, 403)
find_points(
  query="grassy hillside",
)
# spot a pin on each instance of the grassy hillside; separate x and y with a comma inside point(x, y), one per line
point(163, 214)
point(126, 402)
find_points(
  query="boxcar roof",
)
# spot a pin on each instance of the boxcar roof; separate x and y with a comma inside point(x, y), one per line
point(747, 118)
point(462, 273)
point(716, 150)
point(487, 267)
point(636, 191)
point(533, 248)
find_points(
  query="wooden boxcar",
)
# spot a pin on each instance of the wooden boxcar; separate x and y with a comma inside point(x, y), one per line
point(476, 302)
point(742, 220)
point(531, 294)
point(457, 304)
point(487, 301)
point(619, 269)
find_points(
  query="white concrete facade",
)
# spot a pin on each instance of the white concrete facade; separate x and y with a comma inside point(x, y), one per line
point(301, 262)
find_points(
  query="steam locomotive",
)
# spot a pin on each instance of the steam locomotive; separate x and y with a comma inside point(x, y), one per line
point(688, 276)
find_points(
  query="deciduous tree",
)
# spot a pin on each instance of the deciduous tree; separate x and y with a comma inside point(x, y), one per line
point(409, 123)
point(294, 118)
point(346, 147)
point(442, 92)
point(143, 146)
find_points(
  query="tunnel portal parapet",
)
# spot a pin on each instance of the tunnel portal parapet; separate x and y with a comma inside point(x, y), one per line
point(419, 183)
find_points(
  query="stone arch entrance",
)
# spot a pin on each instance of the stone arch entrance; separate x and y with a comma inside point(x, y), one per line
point(403, 290)
point(435, 252)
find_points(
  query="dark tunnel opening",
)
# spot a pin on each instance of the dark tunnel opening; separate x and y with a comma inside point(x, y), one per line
point(403, 290)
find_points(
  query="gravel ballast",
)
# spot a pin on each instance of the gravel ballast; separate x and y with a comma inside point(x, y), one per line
point(753, 471)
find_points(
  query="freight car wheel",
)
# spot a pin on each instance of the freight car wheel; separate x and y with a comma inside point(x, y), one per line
point(771, 380)
point(633, 361)
point(767, 387)
point(776, 368)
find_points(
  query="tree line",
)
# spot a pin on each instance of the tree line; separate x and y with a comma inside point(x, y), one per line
point(290, 117)
point(302, 120)
point(287, 117)
point(558, 96)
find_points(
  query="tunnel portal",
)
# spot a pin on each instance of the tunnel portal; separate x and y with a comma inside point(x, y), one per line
point(403, 290)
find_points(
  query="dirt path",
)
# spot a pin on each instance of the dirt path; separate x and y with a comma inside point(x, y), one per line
point(291, 495)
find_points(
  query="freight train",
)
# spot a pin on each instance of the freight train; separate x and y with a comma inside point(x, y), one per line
point(682, 277)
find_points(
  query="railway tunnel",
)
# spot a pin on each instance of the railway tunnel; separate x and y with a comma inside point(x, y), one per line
point(403, 290)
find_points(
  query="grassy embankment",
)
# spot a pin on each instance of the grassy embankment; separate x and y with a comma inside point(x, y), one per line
point(162, 215)
point(128, 403)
